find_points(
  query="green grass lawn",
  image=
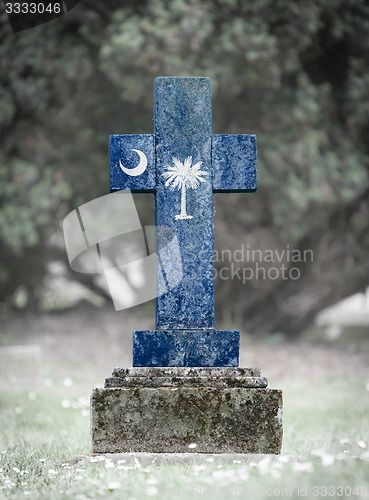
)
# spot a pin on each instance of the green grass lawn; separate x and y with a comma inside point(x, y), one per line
point(325, 451)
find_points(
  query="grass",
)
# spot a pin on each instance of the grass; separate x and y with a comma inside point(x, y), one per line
point(325, 451)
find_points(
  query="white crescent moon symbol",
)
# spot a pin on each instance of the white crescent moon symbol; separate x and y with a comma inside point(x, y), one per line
point(141, 167)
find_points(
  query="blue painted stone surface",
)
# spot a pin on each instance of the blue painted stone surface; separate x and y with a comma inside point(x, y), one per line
point(186, 348)
point(183, 140)
point(182, 118)
point(234, 162)
point(120, 149)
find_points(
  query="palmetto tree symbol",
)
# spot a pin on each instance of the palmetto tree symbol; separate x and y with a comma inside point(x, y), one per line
point(183, 176)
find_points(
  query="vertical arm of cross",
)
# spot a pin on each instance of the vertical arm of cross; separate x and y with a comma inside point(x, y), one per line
point(234, 163)
point(184, 199)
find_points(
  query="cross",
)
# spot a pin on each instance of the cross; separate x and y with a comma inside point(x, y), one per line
point(183, 164)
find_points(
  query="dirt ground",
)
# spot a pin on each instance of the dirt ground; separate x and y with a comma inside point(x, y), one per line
point(86, 343)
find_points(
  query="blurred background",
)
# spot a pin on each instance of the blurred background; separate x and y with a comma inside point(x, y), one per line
point(294, 73)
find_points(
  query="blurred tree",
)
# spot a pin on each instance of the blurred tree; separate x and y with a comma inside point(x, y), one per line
point(296, 74)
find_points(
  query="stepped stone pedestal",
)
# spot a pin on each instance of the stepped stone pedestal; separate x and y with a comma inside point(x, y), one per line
point(157, 409)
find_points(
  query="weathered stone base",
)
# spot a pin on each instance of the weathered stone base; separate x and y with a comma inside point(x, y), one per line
point(220, 413)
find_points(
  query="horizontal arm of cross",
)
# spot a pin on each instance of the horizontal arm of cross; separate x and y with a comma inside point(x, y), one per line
point(233, 162)
point(125, 162)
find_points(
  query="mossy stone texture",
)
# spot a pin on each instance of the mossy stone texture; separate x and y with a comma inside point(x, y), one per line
point(186, 377)
point(168, 419)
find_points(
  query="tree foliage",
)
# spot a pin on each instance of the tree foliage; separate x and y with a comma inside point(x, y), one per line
point(294, 73)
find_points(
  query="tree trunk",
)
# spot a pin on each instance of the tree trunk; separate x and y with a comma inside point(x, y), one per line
point(183, 201)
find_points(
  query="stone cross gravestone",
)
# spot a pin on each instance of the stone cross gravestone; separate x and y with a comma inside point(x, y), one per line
point(185, 164)
point(185, 385)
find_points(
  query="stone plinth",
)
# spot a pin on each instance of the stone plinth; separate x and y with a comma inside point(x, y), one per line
point(197, 347)
point(164, 410)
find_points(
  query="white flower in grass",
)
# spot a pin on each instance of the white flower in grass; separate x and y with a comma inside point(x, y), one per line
point(114, 485)
point(225, 474)
point(303, 467)
point(52, 472)
point(84, 402)
point(243, 474)
point(8, 483)
point(264, 464)
point(192, 446)
point(200, 467)
point(152, 491)
point(182, 176)
point(277, 465)
point(327, 460)
point(361, 444)
point(318, 453)
point(341, 456)
point(67, 382)
point(275, 473)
